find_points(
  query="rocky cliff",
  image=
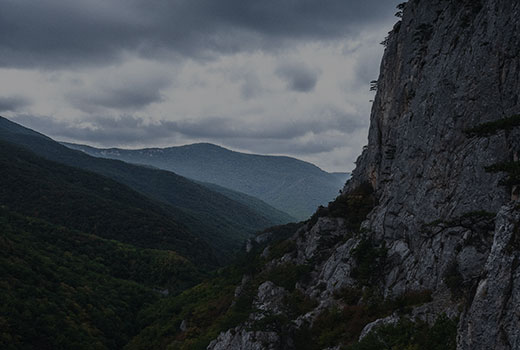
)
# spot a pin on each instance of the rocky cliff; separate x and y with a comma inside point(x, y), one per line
point(425, 239)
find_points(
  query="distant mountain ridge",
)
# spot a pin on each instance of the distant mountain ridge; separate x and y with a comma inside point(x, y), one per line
point(288, 184)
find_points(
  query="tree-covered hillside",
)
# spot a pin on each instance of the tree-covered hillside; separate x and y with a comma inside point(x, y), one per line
point(64, 289)
point(91, 203)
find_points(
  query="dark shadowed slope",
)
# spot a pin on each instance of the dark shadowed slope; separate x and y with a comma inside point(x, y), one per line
point(85, 201)
point(291, 185)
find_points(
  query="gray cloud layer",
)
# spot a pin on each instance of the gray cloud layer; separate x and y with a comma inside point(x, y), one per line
point(13, 104)
point(56, 33)
point(134, 130)
point(298, 76)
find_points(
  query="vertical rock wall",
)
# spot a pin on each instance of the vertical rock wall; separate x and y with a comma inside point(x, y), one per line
point(448, 67)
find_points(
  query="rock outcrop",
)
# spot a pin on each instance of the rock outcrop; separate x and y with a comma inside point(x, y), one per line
point(493, 319)
point(442, 162)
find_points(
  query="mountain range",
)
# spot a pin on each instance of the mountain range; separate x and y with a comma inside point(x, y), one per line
point(288, 184)
point(210, 215)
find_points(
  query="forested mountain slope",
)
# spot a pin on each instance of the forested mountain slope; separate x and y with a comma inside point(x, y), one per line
point(88, 202)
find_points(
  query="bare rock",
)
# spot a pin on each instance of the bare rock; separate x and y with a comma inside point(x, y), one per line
point(241, 339)
point(493, 319)
point(270, 299)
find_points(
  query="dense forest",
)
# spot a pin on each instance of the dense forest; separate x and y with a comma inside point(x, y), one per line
point(65, 289)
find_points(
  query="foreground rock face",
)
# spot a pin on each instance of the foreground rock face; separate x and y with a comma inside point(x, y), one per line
point(447, 225)
point(449, 66)
point(246, 340)
point(493, 320)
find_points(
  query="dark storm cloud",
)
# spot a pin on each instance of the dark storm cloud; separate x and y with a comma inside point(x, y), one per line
point(298, 76)
point(62, 33)
point(12, 104)
point(57, 33)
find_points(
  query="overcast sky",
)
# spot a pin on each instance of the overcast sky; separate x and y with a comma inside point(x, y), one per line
point(284, 77)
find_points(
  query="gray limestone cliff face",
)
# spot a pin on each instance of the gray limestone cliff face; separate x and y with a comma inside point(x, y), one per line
point(449, 66)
